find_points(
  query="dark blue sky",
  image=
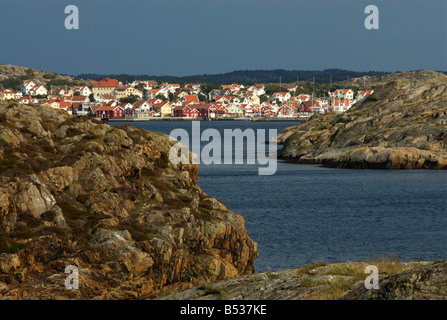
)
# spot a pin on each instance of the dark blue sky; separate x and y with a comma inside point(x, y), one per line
point(186, 37)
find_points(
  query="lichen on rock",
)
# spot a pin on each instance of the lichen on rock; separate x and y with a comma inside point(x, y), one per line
point(76, 191)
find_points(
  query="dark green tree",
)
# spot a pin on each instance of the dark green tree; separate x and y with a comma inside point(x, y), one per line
point(130, 99)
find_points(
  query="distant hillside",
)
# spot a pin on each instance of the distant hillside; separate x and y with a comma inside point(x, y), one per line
point(249, 76)
point(12, 77)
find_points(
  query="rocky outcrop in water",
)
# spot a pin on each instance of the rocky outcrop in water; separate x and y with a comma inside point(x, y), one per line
point(76, 191)
point(403, 125)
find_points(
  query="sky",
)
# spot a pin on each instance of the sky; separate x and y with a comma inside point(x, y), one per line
point(191, 37)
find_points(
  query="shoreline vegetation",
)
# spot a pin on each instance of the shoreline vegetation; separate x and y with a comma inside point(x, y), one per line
point(397, 280)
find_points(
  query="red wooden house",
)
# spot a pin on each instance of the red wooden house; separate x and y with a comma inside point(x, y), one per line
point(213, 111)
point(194, 113)
point(222, 111)
point(309, 106)
point(185, 111)
point(286, 110)
point(203, 110)
point(129, 113)
point(109, 112)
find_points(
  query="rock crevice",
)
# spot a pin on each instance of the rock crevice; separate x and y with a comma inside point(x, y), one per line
point(76, 191)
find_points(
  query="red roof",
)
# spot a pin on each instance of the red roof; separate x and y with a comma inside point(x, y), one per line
point(106, 82)
point(202, 106)
point(191, 98)
point(310, 103)
point(78, 98)
point(107, 108)
point(345, 102)
point(226, 97)
point(280, 94)
point(138, 103)
point(181, 108)
point(108, 96)
point(158, 105)
point(124, 88)
point(76, 104)
point(64, 104)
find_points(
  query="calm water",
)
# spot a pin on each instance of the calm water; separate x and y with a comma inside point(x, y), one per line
point(306, 213)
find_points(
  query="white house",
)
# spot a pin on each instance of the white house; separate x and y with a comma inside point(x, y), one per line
point(258, 89)
point(134, 84)
point(235, 110)
point(342, 105)
point(125, 106)
point(38, 90)
point(153, 93)
point(236, 100)
point(27, 86)
point(65, 92)
point(323, 102)
point(138, 93)
point(224, 99)
point(342, 94)
point(147, 85)
point(83, 90)
point(170, 87)
point(195, 88)
point(85, 108)
point(143, 111)
point(281, 96)
point(144, 105)
point(28, 100)
point(362, 94)
point(7, 94)
point(246, 101)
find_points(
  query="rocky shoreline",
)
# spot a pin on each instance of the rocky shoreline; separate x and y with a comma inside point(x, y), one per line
point(402, 126)
point(337, 281)
point(77, 192)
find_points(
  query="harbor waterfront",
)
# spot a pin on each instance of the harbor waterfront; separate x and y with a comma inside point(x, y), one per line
point(307, 213)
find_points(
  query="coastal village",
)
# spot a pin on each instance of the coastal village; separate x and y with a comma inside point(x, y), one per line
point(140, 100)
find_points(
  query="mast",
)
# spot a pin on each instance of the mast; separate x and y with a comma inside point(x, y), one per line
point(296, 86)
point(330, 87)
